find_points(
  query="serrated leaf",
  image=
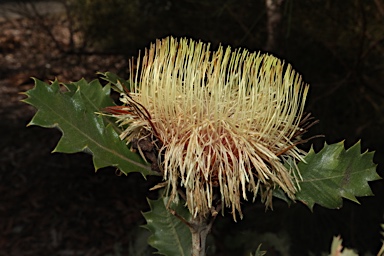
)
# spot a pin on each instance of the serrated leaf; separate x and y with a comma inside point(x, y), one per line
point(335, 173)
point(170, 236)
point(74, 113)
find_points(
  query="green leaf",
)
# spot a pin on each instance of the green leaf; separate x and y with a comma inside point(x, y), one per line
point(170, 236)
point(335, 173)
point(280, 194)
point(117, 81)
point(74, 113)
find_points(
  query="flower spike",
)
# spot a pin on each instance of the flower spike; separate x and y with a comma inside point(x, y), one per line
point(224, 122)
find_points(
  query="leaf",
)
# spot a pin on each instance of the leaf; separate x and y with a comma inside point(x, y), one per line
point(74, 113)
point(259, 252)
point(117, 81)
point(170, 236)
point(381, 252)
point(338, 250)
point(334, 173)
point(279, 193)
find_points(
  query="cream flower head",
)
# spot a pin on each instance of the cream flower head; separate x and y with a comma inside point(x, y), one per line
point(226, 123)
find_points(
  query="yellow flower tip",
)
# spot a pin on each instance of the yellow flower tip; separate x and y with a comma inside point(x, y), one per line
point(225, 122)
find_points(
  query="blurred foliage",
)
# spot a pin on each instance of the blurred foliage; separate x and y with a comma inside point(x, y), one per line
point(107, 25)
point(125, 26)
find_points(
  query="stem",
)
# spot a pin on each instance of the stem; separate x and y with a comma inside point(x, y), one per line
point(200, 228)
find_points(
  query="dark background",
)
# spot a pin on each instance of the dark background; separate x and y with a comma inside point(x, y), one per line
point(56, 204)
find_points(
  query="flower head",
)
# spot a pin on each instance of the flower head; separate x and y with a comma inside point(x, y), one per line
point(225, 122)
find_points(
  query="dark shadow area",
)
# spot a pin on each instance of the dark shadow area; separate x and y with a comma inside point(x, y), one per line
point(55, 204)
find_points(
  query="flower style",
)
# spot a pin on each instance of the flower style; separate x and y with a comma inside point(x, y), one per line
point(225, 123)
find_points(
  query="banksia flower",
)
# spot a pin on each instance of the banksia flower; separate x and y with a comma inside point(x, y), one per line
point(224, 123)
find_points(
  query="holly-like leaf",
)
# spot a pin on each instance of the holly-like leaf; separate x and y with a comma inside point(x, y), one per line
point(73, 111)
point(335, 173)
point(170, 236)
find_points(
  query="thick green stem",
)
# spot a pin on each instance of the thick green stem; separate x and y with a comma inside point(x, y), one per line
point(200, 228)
